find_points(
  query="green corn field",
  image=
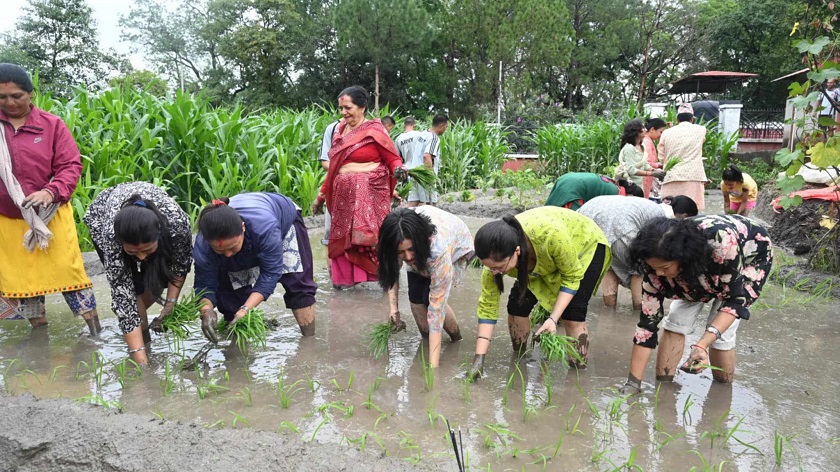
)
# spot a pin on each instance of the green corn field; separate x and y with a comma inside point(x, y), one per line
point(197, 152)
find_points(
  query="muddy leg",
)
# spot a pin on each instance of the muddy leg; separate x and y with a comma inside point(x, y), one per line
point(580, 331)
point(520, 330)
point(421, 313)
point(305, 318)
point(609, 288)
point(671, 346)
point(92, 319)
point(450, 325)
point(726, 361)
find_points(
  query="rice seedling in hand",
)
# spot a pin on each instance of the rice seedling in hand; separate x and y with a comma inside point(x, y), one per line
point(424, 177)
point(248, 330)
point(378, 337)
point(557, 347)
point(184, 312)
point(671, 163)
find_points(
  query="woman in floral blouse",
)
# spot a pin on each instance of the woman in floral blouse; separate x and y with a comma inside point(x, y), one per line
point(722, 259)
point(143, 239)
point(436, 246)
point(557, 257)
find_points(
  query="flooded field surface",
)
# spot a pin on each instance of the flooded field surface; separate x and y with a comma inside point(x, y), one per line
point(781, 413)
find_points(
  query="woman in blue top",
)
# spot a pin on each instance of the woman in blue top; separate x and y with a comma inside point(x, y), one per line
point(245, 246)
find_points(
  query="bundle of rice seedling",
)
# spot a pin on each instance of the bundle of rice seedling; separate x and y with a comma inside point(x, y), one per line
point(538, 316)
point(557, 347)
point(378, 337)
point(184, 312)
point(671, 163)
point(424, 177)
point(403, 190)
point(248, 330)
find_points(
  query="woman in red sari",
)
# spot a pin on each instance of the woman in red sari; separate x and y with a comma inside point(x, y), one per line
point(358, 190)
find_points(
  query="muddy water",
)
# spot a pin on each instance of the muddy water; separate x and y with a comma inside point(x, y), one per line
point(787, 382)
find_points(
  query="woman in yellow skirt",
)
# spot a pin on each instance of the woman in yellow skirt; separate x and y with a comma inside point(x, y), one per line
point(40, 167)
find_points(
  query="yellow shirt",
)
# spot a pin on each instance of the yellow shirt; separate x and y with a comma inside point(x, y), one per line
point(565, 242)
point(749, 188)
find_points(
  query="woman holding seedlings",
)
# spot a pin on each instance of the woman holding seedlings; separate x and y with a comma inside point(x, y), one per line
point(436, 246)
point(245, 246)
point(143, 239)
point(574, 189)
point(557, 257)
point(40, 167)
point(358, 189)
point(720, 259)
point(654, 128)
point(632, 162)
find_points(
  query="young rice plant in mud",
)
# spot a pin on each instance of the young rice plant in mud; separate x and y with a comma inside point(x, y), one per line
point(371, 390)
point(338, 386)
point(362, 441)
point(287, 426)
point(237, 418)
point(96, 399)
point(286, 392)
point(248, 330)
point(779, 443)
point(724, 434)
point(428, 372)
point(124, 369)
point(206, 388)
point(558, 347)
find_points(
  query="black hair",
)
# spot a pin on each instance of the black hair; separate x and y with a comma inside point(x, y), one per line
point(631, 132)
point(440, 119)
point(682, 204)
point(219, 221)
point(681, 117)
point(388, 120)
point(15, 74)
point(498, 240)
point(630, 188)
point(733, 174)
point(399, 225)
point(655, 123)
point(409, 121)
point(358, 95)
point(669, 239)
point(138, 222)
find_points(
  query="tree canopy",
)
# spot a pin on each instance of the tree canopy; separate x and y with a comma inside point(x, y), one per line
point(424, 55)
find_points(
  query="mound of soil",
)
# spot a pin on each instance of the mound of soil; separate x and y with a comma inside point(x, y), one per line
point(798, 228)
point(60, 436)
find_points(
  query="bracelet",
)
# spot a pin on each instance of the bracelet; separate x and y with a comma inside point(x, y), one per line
point(132, 351)
point(485, 337)
point(243, 308)
point(715, 331)
point(170, 300)
point(701, 347)
point(552, 320)
point(321, 198)
point(50, 192)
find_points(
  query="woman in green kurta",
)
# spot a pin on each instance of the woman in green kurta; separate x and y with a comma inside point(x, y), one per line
point(632, 163)
point(574, 189)
point(557, 257)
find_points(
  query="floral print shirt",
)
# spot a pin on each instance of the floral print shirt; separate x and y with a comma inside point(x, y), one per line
point(565, 242)
point(99, 219)
point(741, 260)
point(451, 249)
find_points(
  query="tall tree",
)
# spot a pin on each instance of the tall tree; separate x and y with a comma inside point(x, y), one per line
point(753, 36)
point(58, 38)
point(382, 33)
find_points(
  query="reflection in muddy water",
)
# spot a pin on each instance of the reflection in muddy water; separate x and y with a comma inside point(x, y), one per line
point(787, 381)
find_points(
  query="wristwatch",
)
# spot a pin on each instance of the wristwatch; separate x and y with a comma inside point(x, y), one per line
point(713, 330)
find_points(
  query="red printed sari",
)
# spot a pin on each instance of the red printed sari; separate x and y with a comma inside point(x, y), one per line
point(358, 202)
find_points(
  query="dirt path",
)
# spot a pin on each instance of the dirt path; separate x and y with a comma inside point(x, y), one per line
point(59, 436)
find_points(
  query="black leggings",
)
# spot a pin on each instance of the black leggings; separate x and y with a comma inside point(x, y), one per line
point(576, 311)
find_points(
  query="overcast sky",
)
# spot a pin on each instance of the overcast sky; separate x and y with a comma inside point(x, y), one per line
point(105, 12)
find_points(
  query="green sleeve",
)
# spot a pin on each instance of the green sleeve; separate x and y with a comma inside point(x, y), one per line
point(488, 301)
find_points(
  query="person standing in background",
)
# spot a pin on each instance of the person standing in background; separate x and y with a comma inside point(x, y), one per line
point(431, 155)
point(684, 141)
point(410, 145)
point(654, 127)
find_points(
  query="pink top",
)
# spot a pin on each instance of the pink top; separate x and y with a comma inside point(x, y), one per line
point(44, 156)
point(652, 159)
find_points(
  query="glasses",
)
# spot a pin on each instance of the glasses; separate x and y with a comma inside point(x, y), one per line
point(502, 268)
